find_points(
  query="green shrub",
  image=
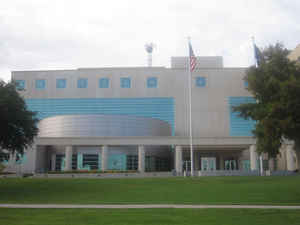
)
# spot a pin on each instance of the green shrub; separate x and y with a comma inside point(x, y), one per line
point(2, 167)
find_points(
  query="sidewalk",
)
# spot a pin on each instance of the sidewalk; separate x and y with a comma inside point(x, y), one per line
point(150, 206)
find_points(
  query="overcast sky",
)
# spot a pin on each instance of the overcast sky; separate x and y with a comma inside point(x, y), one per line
point(67, 34)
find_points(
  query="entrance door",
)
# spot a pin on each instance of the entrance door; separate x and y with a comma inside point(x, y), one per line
point(208, 163)
point(231, 164)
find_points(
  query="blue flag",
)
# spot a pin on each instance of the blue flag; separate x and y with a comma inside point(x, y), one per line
point(258, 55)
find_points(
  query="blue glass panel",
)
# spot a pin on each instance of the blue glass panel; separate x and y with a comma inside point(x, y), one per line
point(20, 84)
point(151, 82)
point(238, 125)
point(157, 108)
point(103, 83)
point(200, 81)
point(246, 84)
point(40, 84)
point(82, 83)
point(61, 83)
point(79, 161)
point(117, 162)
point(125, 82)
point(246, 165)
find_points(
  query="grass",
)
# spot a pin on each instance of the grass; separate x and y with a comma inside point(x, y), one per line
point(203, 190)
point(148, 216)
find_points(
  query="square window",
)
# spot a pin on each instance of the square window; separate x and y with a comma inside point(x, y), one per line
point(103, 83)
point(151, 82)
point(61, 83)
point(125, 82)
point(200, 81)
point(82, 83)
point(20, 85)
point(40, 84)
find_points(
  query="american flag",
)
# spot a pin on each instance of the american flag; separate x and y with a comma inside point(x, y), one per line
point(193, 60)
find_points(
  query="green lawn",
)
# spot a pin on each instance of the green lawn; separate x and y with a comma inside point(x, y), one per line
point(203, 190)
point(148, 216)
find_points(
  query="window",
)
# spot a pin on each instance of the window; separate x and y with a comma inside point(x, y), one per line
point(125, 82)
point(246, 84)
point(61, 83)
point(82, 83)
point(40, 84)
point(151, 82)
point(132, 162)
point(103, 83)
point(20, 85)
point(200, 81)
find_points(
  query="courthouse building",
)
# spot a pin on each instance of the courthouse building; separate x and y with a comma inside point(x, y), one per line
point(137, 118)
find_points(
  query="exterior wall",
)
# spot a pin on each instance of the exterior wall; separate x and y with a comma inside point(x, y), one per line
point(102, 125)
point(29, 165)
point(238, 125)
point(168, 102)
point(281, 158)
point(41, 159)
point(295, 54)
point(211, 111)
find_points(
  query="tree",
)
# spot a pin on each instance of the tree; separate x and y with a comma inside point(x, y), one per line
point(18, 126)
point(275, 84)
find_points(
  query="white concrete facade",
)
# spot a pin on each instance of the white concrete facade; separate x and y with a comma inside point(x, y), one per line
point(216, 145)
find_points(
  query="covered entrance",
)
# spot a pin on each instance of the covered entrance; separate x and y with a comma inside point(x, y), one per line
point(231, 164)
point(208, 163)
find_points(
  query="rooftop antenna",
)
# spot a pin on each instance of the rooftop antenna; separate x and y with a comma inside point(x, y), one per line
point(149, 49)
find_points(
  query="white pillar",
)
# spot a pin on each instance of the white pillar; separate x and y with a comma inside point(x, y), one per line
point(178, 160)
point(104, 157)
point(253, 158)
point(290, 158)
point(271, 164)
point(53, 161)
point(68, 157)
point(141, 160)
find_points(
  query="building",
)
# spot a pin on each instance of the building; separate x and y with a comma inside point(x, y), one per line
point(295, 54)
point(137, 119)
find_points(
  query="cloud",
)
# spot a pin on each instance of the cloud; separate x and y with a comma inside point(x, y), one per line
point(41, 34)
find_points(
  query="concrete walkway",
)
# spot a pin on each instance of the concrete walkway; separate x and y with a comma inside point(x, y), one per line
point(141, 206)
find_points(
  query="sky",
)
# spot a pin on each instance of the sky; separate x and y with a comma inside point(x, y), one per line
point(71, 34)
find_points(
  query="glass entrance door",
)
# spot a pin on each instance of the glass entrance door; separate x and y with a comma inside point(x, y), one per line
point(208, 163)
point(231, 164)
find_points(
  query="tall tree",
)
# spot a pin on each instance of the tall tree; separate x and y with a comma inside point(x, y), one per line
point(18, 126)
point(275, 84)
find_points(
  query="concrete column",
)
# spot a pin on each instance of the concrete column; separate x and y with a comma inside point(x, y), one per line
point(141, 160)
point(178, 159)
point(31, 162)
point(53, 161)
point(271, 164)
point(221, 162)
point(104, 157)
point(68, 157)
point(253, 158)
point(290, 158)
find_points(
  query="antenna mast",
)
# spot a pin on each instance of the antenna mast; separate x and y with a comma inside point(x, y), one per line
point(149, 49)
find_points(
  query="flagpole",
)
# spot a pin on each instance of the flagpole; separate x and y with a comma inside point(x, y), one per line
point(190, 114)
point(256, 65)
